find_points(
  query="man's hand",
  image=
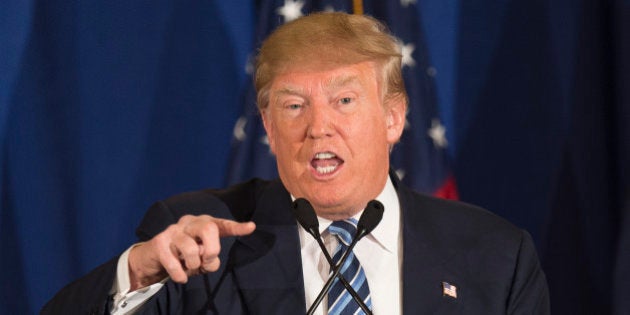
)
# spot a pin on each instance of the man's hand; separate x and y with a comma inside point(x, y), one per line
point(187, 248)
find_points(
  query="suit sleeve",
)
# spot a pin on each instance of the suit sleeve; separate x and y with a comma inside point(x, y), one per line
point(90, 294)
point(87, 295)
point(529, 293)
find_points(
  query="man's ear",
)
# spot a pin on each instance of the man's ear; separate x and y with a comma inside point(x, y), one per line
point(395, 112)
point(269, 129)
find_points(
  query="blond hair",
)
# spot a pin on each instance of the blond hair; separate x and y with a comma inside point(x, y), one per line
point(329, 40)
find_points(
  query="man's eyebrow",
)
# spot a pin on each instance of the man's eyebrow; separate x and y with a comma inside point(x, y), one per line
point(332, 83)
point(341, 81)
point(289, 90)
point(285, 91)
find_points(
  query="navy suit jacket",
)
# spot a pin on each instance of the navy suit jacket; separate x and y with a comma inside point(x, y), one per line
point(492, 263)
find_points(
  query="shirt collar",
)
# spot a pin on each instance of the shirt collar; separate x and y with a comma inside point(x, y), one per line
point(386, 232)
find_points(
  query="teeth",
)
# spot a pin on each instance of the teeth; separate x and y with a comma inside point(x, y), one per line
point(324, 155)
point(326, 169)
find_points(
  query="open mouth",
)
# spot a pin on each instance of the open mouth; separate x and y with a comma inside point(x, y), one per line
point(326, 163)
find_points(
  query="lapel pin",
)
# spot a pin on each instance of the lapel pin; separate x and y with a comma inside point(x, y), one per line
point(449, 290)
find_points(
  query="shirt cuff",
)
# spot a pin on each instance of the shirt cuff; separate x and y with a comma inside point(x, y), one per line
point(125, 302)
point(122, 283)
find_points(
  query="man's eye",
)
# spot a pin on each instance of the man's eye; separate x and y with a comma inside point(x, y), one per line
point(345, 100)
point(294, 106)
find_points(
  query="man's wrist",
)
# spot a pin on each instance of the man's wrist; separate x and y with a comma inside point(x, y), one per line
point(138, 276)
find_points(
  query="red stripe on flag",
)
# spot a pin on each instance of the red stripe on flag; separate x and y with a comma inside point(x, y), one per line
point(448, 190)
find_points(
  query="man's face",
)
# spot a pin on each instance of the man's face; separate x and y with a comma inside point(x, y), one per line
point(331, 133)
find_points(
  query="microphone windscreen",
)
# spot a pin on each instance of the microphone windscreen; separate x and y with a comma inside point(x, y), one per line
point(305, 214)
point(371, 216)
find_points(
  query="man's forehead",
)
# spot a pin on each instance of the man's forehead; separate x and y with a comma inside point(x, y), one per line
point(331, 83)
point(294, 80)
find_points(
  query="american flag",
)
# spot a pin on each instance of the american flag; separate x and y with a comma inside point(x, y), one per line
point(420, 158)
point(449, 290)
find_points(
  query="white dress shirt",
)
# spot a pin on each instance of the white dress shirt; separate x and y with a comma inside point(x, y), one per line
point(380, 255)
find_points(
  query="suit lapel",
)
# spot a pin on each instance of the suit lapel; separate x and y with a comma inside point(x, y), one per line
point(268, 268)
point(424, 265)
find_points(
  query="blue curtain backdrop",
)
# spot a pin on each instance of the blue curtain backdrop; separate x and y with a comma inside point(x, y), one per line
point(107, 106)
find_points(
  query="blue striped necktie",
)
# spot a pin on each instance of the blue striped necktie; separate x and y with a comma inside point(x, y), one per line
point(339, 300)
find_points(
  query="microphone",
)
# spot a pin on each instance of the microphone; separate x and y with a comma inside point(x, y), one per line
point(305, 214)
point(370, 218)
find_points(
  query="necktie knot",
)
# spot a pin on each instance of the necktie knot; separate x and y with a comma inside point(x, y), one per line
point(345, 230)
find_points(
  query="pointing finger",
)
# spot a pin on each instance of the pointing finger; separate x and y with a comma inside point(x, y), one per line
point(233, 228)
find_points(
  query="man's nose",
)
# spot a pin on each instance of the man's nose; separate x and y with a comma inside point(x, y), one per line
point(321, 121)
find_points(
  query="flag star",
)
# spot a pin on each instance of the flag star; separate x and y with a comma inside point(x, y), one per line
point(329, 8)
point(239, 129)
point(406, 3)
point(437, 132)
point(249, 65)
point(291, 10)
point(265, 140)
point(400, 173)
point(407, 50)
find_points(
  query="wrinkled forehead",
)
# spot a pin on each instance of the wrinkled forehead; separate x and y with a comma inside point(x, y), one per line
point(291, 80)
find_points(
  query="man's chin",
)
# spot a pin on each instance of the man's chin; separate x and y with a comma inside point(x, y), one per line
point(334, 211)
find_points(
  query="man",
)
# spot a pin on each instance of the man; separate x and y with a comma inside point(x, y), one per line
point(333, 103)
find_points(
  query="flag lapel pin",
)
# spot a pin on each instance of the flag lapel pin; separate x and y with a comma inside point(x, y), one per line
point(449, 290)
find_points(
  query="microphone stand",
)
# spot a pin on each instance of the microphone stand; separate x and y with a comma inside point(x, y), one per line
point(336, 270)
point(343, 280)
point(372, 215)
point(305, 214)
